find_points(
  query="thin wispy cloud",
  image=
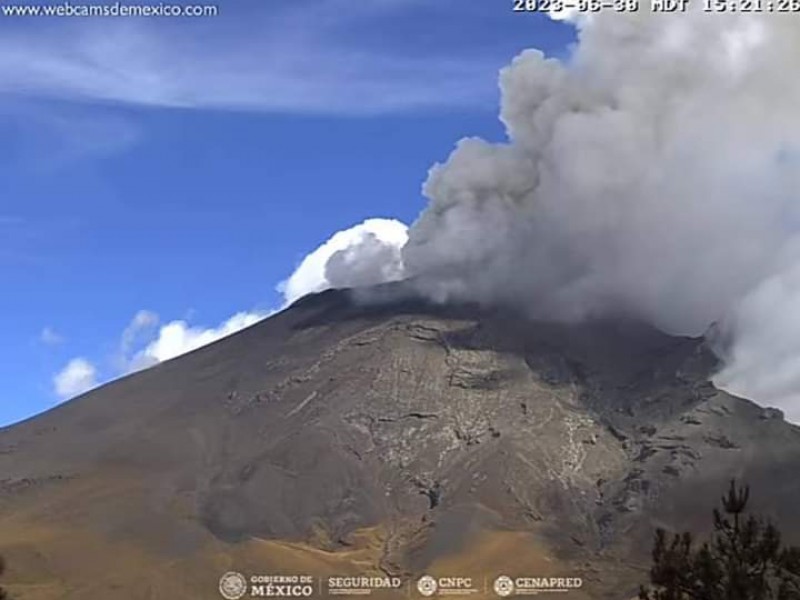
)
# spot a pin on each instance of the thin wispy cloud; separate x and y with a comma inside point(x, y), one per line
point(48, 137)
point(290, 62)
point(31, 241)
point(50, 337)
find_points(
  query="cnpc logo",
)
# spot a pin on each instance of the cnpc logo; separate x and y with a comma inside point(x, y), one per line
point(429, 586)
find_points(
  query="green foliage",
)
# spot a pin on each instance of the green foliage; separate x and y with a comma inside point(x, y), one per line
point(744, 560)
point(3, 594)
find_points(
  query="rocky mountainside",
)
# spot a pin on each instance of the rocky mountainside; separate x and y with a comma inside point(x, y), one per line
point(402, 438)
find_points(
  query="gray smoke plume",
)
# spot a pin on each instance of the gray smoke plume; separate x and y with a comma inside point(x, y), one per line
point(654, 174)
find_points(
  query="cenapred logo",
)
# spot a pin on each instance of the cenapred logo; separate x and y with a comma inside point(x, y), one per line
point(232, 585)
point(505, 586)
point(427, 585)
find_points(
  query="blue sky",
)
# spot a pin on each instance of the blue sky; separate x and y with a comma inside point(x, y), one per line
point(186, 166)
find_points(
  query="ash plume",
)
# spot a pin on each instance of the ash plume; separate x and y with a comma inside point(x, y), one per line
point(653, 174)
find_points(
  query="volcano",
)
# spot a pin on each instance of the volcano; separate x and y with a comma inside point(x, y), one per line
point(393, 438)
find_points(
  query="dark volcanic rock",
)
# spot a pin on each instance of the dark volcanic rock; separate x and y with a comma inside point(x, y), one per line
point(432, 422)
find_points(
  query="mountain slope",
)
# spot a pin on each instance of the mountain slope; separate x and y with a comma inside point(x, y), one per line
point(341, 438)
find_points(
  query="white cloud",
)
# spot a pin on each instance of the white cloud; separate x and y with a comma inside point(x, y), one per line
point(50, 337)
point(77, 377)
point(144, 344)
point(176, 337)
point(365, 254)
